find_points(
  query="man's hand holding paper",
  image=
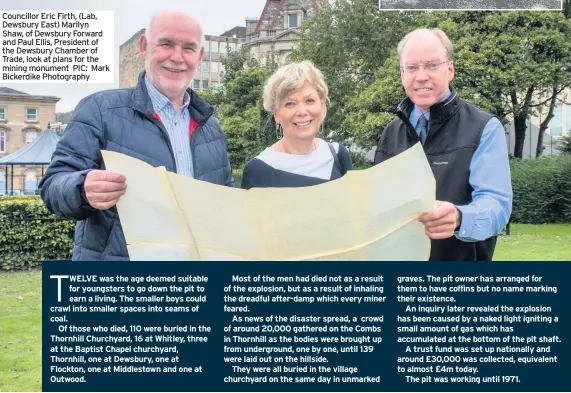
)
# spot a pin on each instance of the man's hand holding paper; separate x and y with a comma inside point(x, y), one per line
point(103, 188)
point(441, 221)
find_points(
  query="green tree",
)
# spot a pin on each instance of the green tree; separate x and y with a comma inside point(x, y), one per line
point(502, 59)
point(509, 62)
point(565, 145)
point(248, 127)
point(239, 114)
point(559, 84)
point(349, 42)
point(371, 110)
point(213, 97)
point(235, 61)
point(551, 101)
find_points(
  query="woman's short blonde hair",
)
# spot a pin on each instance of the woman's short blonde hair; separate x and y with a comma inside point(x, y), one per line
point(289, 78)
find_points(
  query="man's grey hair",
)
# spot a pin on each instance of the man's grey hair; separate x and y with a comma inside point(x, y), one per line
point(442, 37)
point(148, 28)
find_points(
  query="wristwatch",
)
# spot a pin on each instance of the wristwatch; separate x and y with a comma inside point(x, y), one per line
point(459, 220)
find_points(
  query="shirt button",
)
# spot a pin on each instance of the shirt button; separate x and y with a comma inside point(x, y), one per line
point(176, 123)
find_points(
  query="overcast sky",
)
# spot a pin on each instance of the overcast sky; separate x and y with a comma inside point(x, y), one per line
point(216, 17)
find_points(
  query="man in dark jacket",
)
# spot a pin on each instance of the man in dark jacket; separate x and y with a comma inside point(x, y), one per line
point(160, 121)
point(465, 146)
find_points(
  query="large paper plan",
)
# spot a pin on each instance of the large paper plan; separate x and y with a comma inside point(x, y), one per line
point(368, 214)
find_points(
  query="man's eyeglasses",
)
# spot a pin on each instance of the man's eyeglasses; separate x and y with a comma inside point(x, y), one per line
point(428, 67)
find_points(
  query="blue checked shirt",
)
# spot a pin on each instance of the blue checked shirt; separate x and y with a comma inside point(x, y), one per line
point(177, 125)
point(491, 205)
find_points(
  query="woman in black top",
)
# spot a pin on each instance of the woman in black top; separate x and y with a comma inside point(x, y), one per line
point(296, 95)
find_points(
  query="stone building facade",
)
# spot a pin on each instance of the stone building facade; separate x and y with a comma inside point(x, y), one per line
point(208, 72)
point(130, 61)
point(22, 118)
point(275, 31)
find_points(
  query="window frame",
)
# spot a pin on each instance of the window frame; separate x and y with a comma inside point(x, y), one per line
point(289, 26)
point(36, 116)
point(27, 132)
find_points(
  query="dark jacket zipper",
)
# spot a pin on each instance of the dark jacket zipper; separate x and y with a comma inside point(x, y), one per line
point(409, 126)
point(166, 135)
point(191, 149)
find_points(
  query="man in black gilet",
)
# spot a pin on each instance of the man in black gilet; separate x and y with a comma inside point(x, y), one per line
point(465, 146)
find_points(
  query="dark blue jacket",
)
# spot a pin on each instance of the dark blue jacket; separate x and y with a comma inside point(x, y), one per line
point(455, 131)
point(122, 120)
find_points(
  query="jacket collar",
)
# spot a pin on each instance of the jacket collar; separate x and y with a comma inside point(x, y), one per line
point(439, 112)
point(199, 109)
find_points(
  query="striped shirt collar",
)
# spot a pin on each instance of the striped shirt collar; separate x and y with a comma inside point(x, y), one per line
point(160, 101)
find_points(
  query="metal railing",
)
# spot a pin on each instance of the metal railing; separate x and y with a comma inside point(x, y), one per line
point(9, 192)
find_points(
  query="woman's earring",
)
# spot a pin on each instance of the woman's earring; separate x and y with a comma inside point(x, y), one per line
point(279, 131)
